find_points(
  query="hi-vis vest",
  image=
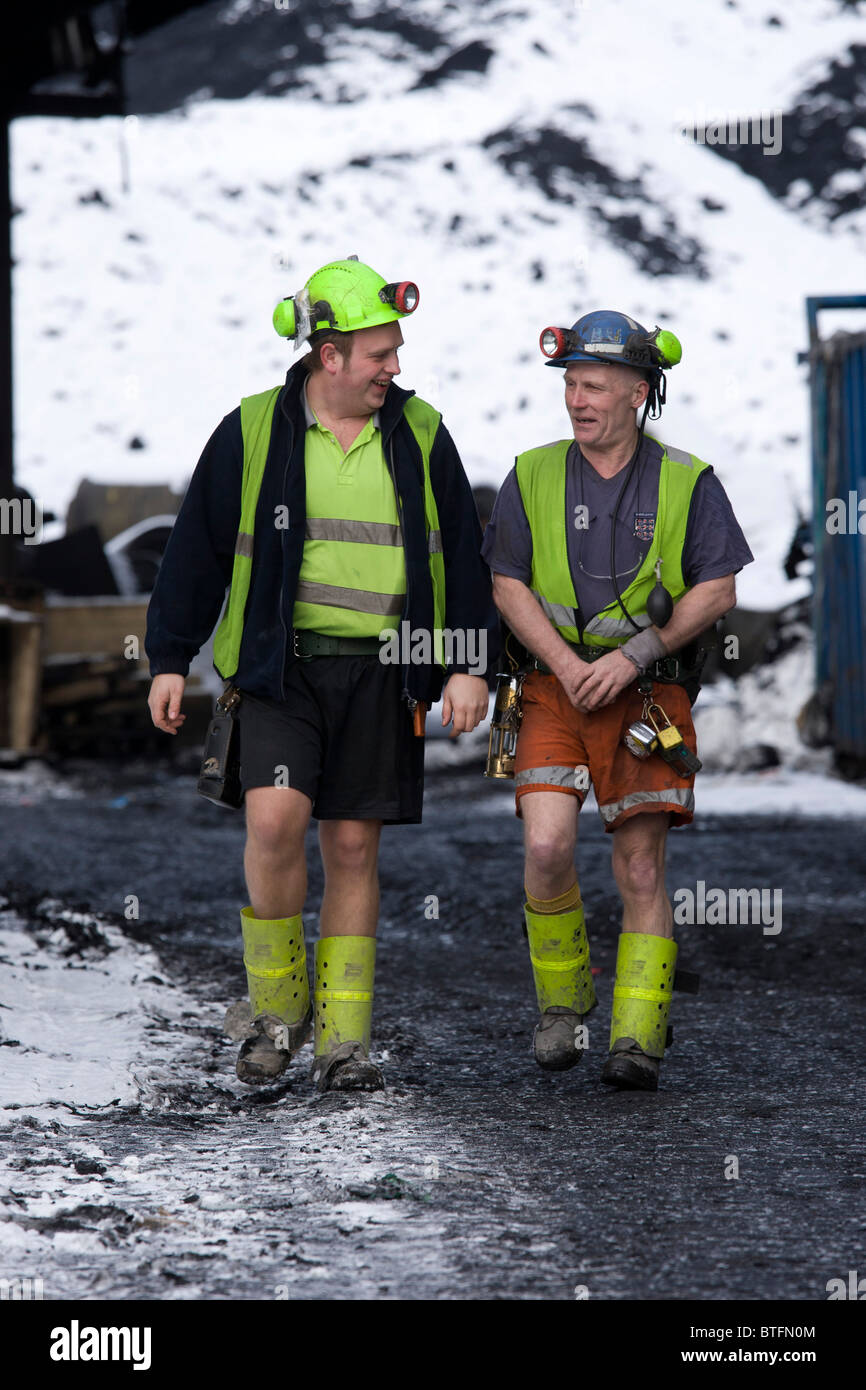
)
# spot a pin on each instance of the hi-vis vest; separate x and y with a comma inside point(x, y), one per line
point(541, 477)
point(256, 418)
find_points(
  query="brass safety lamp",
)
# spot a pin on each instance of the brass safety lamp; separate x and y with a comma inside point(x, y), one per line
point(504, 725)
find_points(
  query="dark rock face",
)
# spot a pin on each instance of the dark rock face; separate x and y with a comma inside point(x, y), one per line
point(821, 138)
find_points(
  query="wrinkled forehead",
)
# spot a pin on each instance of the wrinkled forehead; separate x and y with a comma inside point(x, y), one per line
point(606, 376)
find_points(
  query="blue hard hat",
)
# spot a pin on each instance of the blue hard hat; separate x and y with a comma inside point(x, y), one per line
point(600, 336)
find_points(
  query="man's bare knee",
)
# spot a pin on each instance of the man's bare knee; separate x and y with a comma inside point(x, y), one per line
point(350, 847)
point(639, 874)
point(549, 847)
point(549, 854)
point(550, 833)
point(277, 819)
point(638, 859)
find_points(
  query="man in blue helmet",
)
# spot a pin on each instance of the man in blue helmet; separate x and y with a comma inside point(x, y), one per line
point(612, 552)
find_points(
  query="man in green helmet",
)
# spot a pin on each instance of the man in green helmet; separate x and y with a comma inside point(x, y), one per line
point(337, 510)
point(612, 552)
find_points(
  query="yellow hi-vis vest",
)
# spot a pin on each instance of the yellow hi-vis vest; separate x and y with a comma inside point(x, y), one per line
point(257, 414)
point(541, 478)
point(353, 543)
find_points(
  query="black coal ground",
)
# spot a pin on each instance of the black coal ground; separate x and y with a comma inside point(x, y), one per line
point(475, 1175)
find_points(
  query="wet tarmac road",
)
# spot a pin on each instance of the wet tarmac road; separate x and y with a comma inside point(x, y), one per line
point(475, 1175)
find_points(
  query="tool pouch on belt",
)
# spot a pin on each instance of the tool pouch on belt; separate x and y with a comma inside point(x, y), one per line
point(219, 778)
point(686, 666)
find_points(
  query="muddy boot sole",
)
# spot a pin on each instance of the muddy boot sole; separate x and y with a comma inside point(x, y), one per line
point(554, 1042)
point(266, 1053)
point(630, 1068)
point(347, 1068)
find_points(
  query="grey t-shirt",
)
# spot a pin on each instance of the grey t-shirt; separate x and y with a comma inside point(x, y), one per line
point(714, 545)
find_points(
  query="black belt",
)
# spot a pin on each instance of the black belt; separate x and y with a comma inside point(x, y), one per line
point(309, 644)
point(668, 669)
point(585, 653)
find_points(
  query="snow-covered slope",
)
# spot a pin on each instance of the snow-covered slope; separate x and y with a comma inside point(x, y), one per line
point(522, 162)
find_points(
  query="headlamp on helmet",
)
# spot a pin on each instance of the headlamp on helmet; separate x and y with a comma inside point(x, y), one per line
point(404, 296)
point(556, 342)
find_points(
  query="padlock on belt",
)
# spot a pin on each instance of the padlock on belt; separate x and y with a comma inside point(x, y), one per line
point(671, 745)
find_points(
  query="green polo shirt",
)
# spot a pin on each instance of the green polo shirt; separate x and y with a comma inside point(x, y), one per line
point(353, 573)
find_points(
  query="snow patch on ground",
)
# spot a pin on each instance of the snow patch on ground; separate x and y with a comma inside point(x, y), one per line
point(35, 781)
point(78, 1017)
point(103, 1053)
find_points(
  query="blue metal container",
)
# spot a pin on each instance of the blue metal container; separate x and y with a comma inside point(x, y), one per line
point(838, 393)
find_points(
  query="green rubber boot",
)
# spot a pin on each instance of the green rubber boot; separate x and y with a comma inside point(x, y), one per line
point(345, 967)
point(280, 1014)
point(559, 952)
point(645, 967)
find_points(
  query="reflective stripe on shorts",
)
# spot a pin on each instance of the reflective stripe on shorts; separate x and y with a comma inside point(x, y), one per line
point(683, 796)
point(551, 776)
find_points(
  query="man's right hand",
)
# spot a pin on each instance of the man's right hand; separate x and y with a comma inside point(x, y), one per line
point(571, 673)
point(164, 700)
point(591, 685)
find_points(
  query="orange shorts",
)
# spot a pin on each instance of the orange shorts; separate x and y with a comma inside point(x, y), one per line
point(562, 749)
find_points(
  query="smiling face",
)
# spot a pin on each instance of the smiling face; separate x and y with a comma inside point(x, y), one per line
point(358, 384)
point(601, 400)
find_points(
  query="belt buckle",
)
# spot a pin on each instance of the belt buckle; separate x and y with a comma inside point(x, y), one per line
point(299, 655)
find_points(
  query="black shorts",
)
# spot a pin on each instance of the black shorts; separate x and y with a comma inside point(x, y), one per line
point(343, 736)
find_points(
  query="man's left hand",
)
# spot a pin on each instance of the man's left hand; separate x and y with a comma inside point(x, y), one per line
point(607, 676)
point(465, 699)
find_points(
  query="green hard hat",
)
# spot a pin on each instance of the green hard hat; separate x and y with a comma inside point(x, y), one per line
point(346, 295)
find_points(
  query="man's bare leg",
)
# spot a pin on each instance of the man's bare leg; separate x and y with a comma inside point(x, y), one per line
point(558, 946)
point(346, 957)
point(350, 852)
point(550, 836)
point(646, 955)
point(639, 869)
point(275, 865)
point(274, 953)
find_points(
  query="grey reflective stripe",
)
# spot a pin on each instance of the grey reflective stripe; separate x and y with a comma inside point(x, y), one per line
point(552, 776)
point(614, 627)
point(678, 455)
point(683, 796)
point(244, 544)
point(558, 613)
point(358, 600)
point(322, 528)
point(434, 543)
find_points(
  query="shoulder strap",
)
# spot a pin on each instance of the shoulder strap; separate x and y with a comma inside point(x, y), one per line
point(424, 422)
